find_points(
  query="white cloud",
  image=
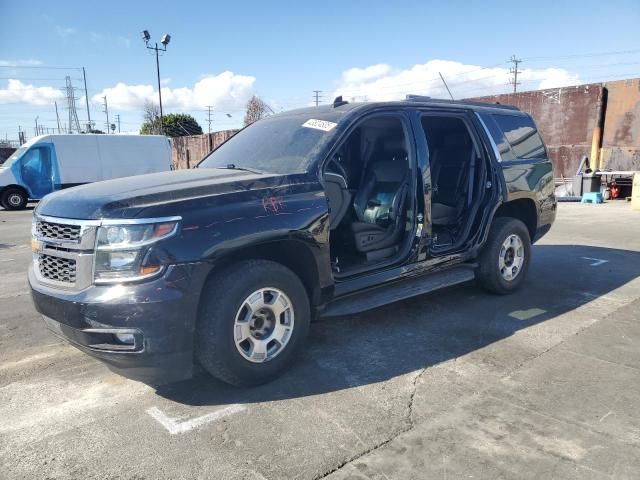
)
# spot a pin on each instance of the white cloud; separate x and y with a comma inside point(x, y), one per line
point(18, 92)
point(226, 91)
point(65, 31)
point(20, 63)
point(382, 82)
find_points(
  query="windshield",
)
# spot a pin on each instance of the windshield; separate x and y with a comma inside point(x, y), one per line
point(279, 144)
point(13, 156)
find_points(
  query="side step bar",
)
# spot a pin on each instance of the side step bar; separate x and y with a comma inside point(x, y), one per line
point(400, 290)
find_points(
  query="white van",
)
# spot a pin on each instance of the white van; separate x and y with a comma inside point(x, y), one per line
point(51, 162)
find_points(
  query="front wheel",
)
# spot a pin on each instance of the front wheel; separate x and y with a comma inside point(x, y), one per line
point(253, 320)
point(504, 261)
point(13, 199)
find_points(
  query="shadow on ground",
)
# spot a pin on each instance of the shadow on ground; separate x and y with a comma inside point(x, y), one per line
point(346, 352)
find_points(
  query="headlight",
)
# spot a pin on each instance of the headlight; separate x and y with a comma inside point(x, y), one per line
point(123, 252)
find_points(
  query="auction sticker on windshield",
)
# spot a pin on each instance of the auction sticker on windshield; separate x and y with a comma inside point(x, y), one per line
point(319, 125)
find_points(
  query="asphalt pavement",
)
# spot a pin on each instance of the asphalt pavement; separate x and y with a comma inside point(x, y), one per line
point(541, 384)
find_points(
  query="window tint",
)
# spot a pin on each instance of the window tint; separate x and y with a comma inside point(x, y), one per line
point(521, 133)
point(498, 137)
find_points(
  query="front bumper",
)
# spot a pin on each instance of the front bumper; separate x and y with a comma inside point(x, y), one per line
point(159, 316)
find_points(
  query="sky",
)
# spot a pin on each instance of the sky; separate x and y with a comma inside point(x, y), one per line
point(222, 53)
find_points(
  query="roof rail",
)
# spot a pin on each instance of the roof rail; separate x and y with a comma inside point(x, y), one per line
point(422, 98)
point(417, 98)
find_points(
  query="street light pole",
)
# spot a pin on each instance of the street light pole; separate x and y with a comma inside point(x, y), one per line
point(159, 89)
point(166, 38)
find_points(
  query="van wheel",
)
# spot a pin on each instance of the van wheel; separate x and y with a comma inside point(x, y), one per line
point(13, 199)
point(505, 258)
point(253, 319)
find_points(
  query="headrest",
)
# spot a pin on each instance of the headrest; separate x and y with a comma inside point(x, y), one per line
point(393, 169)
point(394, 144)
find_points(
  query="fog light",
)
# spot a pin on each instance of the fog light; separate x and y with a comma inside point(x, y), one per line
point(125, 338)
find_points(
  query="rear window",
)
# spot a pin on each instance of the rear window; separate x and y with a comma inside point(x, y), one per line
point(522, 135)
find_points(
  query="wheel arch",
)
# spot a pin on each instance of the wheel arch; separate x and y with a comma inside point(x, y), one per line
point(294, 254)
point(15, 186)
point(524, 209)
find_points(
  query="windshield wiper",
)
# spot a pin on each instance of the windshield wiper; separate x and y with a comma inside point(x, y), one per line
point(233, 166)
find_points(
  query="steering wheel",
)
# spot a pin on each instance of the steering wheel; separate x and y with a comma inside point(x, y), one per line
point(339, 168)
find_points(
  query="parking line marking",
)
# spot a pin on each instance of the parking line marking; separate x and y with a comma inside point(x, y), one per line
point(174, 426)
point(596, 261)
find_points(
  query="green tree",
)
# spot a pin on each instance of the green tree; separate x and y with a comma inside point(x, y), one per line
point(173, 125)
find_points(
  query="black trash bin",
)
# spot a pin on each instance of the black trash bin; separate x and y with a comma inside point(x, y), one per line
point(589, 182)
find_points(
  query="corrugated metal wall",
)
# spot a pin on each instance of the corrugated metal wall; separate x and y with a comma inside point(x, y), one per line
point(621, 139)
point(567, 117)
point(188, 151)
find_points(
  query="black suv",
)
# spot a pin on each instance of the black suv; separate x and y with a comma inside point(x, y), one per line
point(315, 212)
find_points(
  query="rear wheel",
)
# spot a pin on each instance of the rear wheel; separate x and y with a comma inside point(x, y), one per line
point(505, 259)
point(13, 199)
point(253, 320)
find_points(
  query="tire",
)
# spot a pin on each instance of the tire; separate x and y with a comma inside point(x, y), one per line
point(504, 261)
point(13, 199)
point(223, 317)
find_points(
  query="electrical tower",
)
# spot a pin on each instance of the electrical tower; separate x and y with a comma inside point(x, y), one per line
point(118, 120)
point(514, 71)
point(209, 115)
point(74, 123)
point(317, 96)
point(106, 112)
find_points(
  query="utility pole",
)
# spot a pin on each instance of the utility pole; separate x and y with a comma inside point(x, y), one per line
point(37, 125)
point(317, 96)
point(106, 112)
point(57, 116)
point(118, 120)
point(514, 71)
point(209, 116)
point(86, 99)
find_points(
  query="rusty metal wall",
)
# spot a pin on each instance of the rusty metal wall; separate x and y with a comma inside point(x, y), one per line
point(188, 151)
point(621, 139)
point(565, 117)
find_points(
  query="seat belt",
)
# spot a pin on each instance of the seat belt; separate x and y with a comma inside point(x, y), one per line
point(472, 174)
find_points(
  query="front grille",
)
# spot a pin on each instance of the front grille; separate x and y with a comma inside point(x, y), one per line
point(58, 231)
point(56, 268)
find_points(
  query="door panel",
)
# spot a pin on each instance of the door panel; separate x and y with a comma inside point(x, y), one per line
point(36, 171)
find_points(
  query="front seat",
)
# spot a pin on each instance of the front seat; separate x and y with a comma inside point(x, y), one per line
point(379, 203)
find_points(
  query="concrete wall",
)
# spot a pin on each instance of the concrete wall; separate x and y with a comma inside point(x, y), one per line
point(568, 116)
point(188, 151)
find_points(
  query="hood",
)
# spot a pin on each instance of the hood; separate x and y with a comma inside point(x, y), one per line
point(127, 197)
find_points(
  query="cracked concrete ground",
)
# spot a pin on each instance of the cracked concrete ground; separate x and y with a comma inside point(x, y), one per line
point(544, 383)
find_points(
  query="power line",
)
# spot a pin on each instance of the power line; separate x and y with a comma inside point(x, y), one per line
point(514, 71)
point(41, 67)
point(317, 96)
point(584, 55)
